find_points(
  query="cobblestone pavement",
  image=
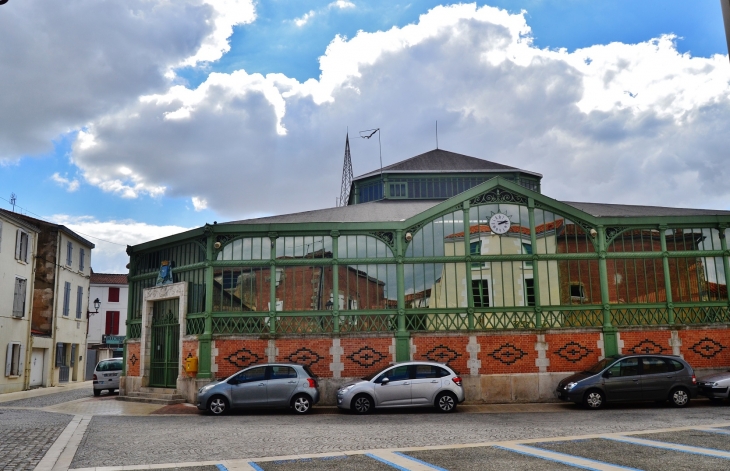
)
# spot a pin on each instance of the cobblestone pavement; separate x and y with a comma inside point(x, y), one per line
point(26, 435)
point(114, 441)
point(50, 399)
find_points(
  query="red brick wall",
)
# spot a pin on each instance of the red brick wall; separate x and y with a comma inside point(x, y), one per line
point(362, 356)
point(513, 353)
point(236, 354)
point(706, 348)
point(646, 341)
point(133, 359)
point(572, 351)
point(443, 349)
point(313, 352)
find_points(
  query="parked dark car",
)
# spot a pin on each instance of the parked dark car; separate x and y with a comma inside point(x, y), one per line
point(716, 386)
point(262, 386)
point(631, 378)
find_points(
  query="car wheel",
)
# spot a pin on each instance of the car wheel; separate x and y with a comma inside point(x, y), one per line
point(362, 404)
point(218, 405)
point(301, 404)
point(97, 392)
point(594, 399)
point(679, 397)
point(446, 402)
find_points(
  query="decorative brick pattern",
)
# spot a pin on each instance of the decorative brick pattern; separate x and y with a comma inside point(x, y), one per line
point(362, 356)
point(189, 349)
point(313, 352)
point(573, 351)
point(133, 359)
point(647, 341)
point(449, 350)
point(501, 354)
point(234, 355)
point(706, 348)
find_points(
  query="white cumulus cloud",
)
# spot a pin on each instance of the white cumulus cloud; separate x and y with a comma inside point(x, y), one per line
point(635, 124)
point(70, 185)
point(199, 203)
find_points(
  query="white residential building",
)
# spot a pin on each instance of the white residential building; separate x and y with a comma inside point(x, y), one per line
point(59, 313)
point(17, 249)
point(107, 326)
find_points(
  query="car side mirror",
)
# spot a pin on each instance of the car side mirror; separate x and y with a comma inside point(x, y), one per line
point(607, 374)
point(384, 381)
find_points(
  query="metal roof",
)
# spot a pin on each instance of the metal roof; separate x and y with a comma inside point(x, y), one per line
point(374, 211)
point(624, 210)
point(443, 161)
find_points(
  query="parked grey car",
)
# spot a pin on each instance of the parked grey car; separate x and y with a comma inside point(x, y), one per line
point(716, 387)
point(631, 378)
point(259, 386)
point(408, 384)
point(106, 375)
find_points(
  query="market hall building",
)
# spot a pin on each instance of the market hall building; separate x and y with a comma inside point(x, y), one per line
point(441, 257)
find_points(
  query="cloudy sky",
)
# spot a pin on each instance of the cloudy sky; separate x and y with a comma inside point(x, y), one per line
point(128, 121)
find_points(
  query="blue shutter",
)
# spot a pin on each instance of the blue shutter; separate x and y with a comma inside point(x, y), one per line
point(79, 301)
point(69, 253)
point(82, 254)
point(66, 297)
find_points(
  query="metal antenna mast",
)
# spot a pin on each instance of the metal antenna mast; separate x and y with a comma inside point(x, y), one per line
point(346, 174)
point(12, 195)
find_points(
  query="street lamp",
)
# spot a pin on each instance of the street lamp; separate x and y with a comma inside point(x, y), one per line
point(97, 305)
point(328, 305)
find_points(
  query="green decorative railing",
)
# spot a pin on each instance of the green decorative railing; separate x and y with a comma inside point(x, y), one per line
point(194, 324)
point(640, 316)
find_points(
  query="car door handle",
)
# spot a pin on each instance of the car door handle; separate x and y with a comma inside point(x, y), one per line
point(434, 381)
point(292, 382)
point(261, 384)
point(636, 381)
point(406, 383)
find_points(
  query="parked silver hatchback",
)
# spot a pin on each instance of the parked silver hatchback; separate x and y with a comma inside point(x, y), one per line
point(106, 375)
point(260, 386)
point(408, 384)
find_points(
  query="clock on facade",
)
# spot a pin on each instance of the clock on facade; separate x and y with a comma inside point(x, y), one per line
point(499, 223)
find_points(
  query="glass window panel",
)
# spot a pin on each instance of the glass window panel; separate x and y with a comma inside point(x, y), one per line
point(366, 287)
point(242, 289)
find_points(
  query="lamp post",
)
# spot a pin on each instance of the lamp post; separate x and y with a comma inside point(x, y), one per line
point(97, 305)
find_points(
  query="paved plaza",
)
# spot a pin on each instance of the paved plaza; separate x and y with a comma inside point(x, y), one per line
point(72, 430)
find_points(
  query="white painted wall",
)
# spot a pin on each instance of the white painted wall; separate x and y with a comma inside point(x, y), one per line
point(97, 322)
point(13, 329)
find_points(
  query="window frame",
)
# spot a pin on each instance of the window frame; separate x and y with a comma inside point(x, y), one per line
point(15, 353)
point(17, 299)
point(21, 250)
point(481, 282)
point(109, 294)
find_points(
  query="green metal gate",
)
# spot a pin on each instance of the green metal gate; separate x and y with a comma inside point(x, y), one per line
point(165, 344)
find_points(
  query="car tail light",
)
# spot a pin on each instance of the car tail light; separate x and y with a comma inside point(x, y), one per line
point(94, 377)
point(457, 380)
point(694, 379)
point(312, 382)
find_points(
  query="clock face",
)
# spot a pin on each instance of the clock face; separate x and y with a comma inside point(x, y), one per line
point(499, 223)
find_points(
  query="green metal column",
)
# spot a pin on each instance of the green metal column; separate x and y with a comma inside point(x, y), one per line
point(610, 333)
point(130, 303)
point(272, 285)
point(205, 339)
point(402, 336)
point(335, 281)
point(725, 258)
point(535, 271)
point(667, 275)
point(467, 257)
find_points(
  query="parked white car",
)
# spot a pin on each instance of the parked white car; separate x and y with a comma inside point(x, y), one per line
point(106, 375)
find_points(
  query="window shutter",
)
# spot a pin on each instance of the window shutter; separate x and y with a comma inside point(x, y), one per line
point(73, 354)
point(79, 301)
point(28, 245)
point(82, 254)
point(115, 323)
point(21, 360)
point(18, 235)
point(109, 320)
point(69, 253)
point(59, 354)
point(66, 296)
point(9, 359)
point(19, 298)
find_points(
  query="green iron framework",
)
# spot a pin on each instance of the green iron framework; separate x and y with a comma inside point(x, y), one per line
point(559, 267)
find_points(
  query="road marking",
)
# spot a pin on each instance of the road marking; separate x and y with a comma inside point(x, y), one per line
point(61, 453)
point(671, 446)
point(431, 466)
point(569, 460)
point(714, 430)
point(399, 461)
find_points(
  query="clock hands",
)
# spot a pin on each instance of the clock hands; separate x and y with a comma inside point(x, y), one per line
point(502, 222)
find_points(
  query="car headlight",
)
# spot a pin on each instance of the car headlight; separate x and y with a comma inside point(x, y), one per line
point(346, 388)
point(205, 388)
point(570, 386)
point(714, 385)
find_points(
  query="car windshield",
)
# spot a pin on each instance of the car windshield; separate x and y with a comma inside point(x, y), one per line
point(373, 375)
point(600, 366)
point(114, 365)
